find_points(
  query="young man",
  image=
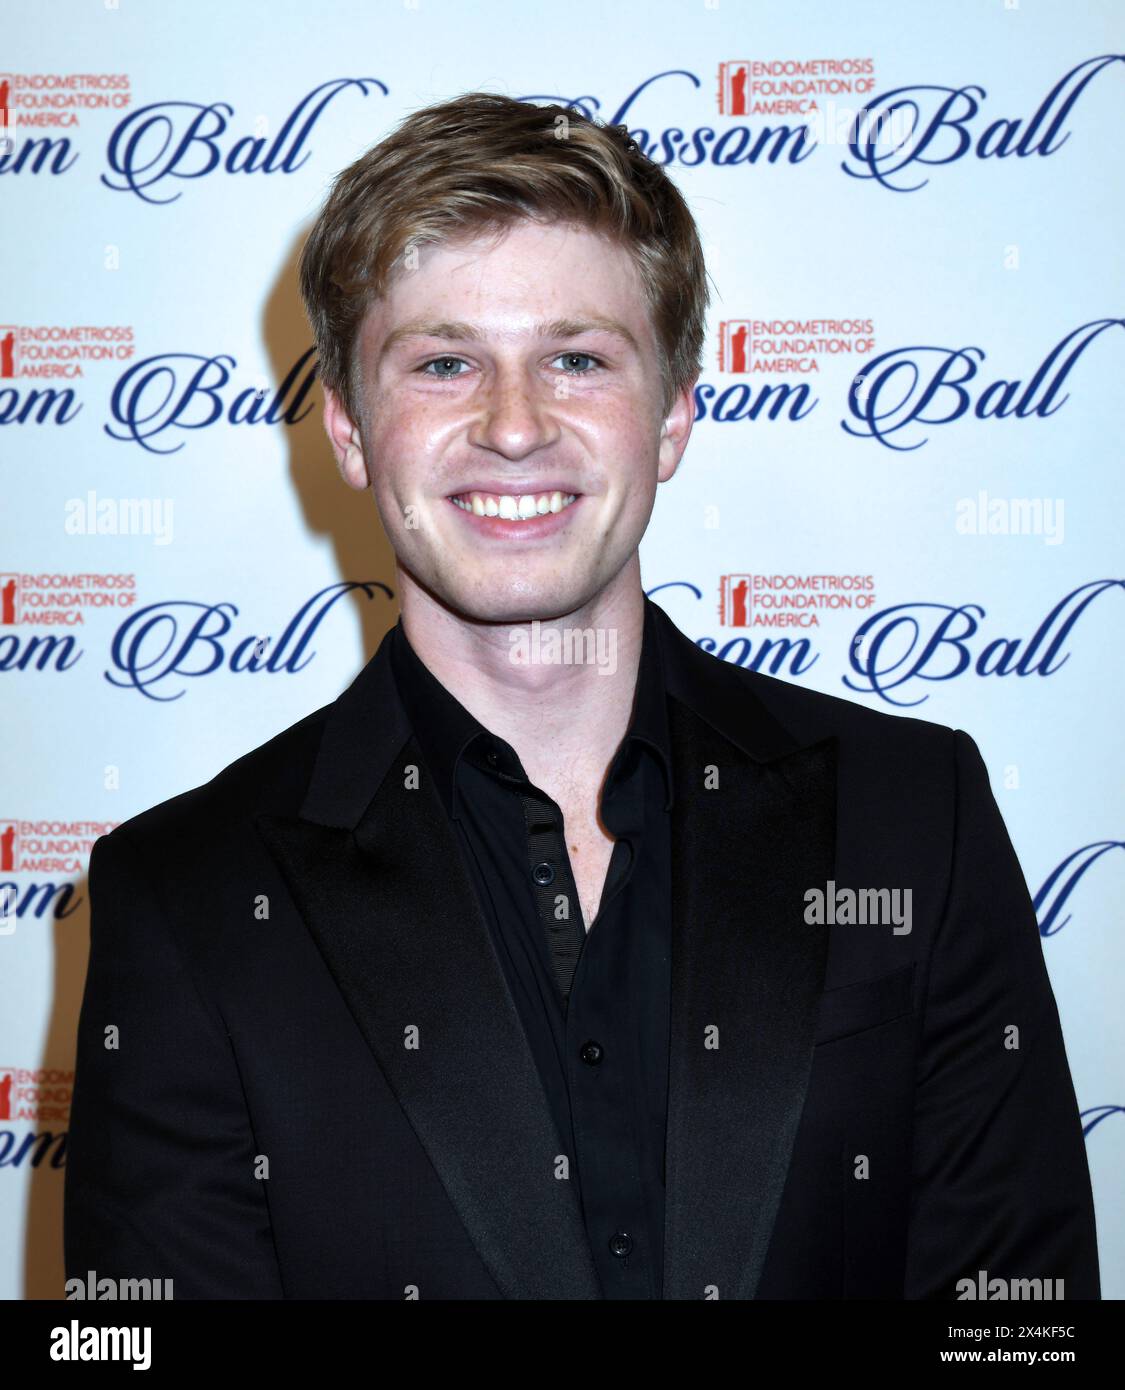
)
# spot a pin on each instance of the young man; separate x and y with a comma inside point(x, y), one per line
point(504, 977)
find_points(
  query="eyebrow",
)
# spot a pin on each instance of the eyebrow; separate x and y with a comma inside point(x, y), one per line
point(466, 332)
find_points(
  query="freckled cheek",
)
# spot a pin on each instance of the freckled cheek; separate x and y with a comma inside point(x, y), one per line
point(628, 452)
point(408, 454)
point(616, 434)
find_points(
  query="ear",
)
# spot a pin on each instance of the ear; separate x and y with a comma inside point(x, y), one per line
point(676, 431)
point(346, 442)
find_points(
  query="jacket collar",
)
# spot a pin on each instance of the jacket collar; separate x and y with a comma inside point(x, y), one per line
point(448, 732)
point(368, 724)
point(753, 826)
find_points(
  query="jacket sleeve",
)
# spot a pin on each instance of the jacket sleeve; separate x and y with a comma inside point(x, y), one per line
point(160, 1169)
point(1000, 1181)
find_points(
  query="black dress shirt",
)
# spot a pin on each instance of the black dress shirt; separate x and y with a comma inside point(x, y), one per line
point(594, 1005)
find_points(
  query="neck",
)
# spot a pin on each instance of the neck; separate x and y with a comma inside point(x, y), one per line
point(565, 720)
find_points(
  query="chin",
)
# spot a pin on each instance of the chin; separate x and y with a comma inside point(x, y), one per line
point(503, 599)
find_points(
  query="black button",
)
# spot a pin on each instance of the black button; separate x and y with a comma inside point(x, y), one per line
point(591, 1053)
point(492, 757)
point(620, 1244)
point(543, 874)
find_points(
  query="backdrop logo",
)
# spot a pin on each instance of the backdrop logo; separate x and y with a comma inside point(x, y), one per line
point(189, 140)
point(185, 391)
point(787, 346)
point(35, 1095)
point(910, 389)
point(164, 140)
point(893, 398)
point(790, 87)
point(180, 640)
point(702, 145)
point(1061, 882)
point(738, 402)
point(893, 648)
point(885, 134)
point(943, 128)
point(790, 600)
point(58, 100)
point(916, 642)
point(168, 643)
point(54, 849)
point(60, 600)
point(827, 94)
point(793, 656)
point(60, 350)
point(48, 846)
point(173, 391)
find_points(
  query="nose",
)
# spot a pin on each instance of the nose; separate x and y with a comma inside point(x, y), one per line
point(514, 417)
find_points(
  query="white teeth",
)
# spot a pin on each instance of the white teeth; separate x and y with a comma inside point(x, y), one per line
point(512, 508)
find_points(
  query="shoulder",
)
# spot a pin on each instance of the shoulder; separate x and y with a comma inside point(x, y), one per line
point(891, 767)
point(811, 714)
point(270, 779)
point(767, 714)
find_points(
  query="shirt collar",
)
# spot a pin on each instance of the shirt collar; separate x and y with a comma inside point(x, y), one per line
point(448, 733)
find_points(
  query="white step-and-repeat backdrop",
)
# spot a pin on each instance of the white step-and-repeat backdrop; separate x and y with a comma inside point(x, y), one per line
point(905, 483)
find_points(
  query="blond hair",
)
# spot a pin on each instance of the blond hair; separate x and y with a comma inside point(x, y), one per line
point(483, 161)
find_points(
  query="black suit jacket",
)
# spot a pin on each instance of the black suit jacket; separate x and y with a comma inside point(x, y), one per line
point(321, 1089)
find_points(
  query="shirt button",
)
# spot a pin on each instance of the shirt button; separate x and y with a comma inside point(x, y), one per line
point(591, 1053)
point(492, 757)
point(620, 1244)
point(543, 874)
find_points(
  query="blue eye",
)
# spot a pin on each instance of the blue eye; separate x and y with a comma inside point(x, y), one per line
point(586, 355)
point(434, 361)
point(570, 370)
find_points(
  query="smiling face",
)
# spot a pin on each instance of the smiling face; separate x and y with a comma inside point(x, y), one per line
point(508, 373)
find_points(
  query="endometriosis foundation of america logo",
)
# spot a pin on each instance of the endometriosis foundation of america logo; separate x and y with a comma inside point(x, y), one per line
point(791, 600)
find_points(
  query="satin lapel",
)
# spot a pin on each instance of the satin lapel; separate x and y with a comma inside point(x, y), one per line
point(746, 978)
point(393, 912)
